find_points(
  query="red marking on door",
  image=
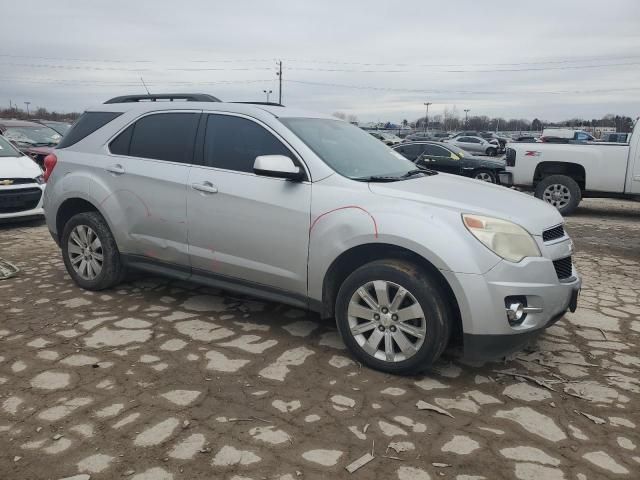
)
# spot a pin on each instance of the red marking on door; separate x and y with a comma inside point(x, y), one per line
point(375, 225)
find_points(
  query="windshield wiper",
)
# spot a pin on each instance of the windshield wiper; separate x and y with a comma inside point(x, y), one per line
point(378, 178)
point(398, 178)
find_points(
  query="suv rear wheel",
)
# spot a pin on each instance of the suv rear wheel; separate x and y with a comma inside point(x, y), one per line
point(393, 317)
point(90, 252)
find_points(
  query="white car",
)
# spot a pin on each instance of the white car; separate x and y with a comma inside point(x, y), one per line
point(474, 145)
point(21, 184)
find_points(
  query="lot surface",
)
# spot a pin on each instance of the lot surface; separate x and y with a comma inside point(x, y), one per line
point(164, 380)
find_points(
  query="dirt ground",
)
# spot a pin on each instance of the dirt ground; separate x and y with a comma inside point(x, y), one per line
point(163, 380)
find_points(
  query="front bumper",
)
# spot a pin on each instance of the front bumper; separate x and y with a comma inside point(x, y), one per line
point(19, 202)
point(481, 298)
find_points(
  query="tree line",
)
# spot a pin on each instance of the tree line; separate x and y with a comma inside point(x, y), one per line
point(451, 120)
point(39, 113)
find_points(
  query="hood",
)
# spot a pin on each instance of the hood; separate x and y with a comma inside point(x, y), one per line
point(466, 195)
point(18, 167)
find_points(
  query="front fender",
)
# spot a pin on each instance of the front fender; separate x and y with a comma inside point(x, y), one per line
point(436, 234)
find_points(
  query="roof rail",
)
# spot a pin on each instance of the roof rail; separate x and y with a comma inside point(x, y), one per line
point(272, 104)
point(187, 97)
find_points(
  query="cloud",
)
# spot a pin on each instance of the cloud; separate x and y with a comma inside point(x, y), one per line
point(374, 59)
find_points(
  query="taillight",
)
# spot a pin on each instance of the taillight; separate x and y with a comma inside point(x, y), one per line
point(49, 164)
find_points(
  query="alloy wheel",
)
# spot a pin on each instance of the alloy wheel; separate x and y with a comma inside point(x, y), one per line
point(557, 195)
point(386, 321)
point(85, 252)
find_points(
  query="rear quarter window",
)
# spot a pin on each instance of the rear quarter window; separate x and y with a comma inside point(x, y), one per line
point(88, 123)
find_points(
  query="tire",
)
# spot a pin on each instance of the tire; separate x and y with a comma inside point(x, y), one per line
point(111, 271)
point(485, 175)
point(433, 320)
point(561, 191)
point(492, 152)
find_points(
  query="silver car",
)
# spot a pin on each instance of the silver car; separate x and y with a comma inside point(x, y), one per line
point(308, 210)
point(474, 145)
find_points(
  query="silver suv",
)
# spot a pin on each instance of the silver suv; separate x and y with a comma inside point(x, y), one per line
point(311, 211)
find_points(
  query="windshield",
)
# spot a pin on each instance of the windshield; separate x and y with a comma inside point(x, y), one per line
point(40, 136)
point(347, 149)
point(8, 150)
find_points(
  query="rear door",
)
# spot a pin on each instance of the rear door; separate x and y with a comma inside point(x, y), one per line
point(147, 172)
point(247, 229)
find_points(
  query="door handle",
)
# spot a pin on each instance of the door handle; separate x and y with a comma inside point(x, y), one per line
point(116, 169)
point(206, 187)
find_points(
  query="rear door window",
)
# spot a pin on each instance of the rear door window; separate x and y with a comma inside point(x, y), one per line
point(159, 136)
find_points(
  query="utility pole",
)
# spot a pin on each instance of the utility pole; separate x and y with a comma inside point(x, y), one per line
point(267, 92)
point(426, 117)
point(279, 81)
point(27, 104)
point(466, 116)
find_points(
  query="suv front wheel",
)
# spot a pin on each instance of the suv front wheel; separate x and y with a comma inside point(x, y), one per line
point(393, 317)
point(90, 252)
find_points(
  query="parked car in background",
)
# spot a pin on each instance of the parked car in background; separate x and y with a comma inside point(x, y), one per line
point(474, 145)
point(562, 174)
point(315, 213)
point(524, 139)
point(427, 136)
point(448, 158)
point(34, 139)
point(60, 127)
point(565, 135)
point(496, 139)
point(21, 184)
point(388, 138)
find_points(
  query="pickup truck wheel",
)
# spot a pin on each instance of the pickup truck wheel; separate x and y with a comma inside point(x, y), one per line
point(485, 176)
point(90, 252)
point(560, 191)
point(492, 152)
point(393, 316)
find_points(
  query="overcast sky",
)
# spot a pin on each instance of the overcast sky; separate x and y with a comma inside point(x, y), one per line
point(377, 60)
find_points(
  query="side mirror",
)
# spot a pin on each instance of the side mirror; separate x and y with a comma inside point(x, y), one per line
point(277, 166)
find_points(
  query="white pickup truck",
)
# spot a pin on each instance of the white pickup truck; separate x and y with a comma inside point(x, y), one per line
point(563, 173)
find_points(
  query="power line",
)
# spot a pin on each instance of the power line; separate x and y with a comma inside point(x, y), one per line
point(338, 62)
point(463, 92)
point(546, 62)
point(531, 69)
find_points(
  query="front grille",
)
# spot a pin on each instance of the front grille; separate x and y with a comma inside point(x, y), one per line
point(553, 233)
point(511, 157)
point(16, 181)
point(13, 201)
point(563, 268)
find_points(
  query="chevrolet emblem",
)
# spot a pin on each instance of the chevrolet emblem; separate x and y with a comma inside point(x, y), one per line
point(6, 182)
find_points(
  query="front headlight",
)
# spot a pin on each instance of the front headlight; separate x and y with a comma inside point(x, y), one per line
point(39, 179)
point(505, 239)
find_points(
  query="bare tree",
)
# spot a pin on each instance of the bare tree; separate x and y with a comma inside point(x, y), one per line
point(340, 115)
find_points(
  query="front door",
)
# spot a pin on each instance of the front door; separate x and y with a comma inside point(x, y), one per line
point(440, 159)
point(247, 229)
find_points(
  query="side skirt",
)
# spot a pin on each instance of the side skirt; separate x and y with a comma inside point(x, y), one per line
point(222, 282)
